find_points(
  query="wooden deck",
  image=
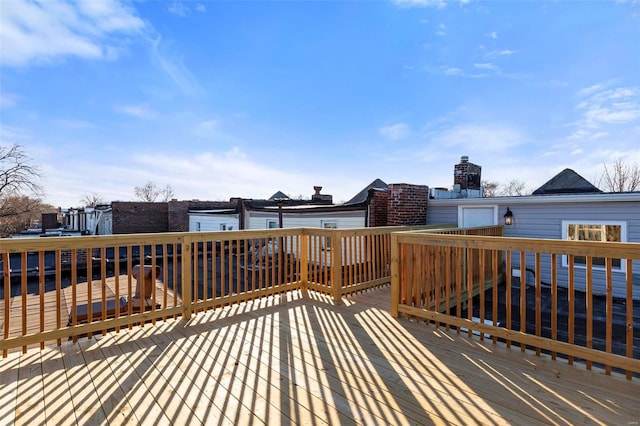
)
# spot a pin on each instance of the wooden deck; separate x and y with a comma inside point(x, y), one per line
point(32, 313)
point(290, 359)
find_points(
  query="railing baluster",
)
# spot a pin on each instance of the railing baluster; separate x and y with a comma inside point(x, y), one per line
point(103, 282)
point(447, 283)
point(469, 286)
point(58, 292)
point(205, 271)
point(41, 291)
point(23, 294)
point(437, 280)
point(523, 296)
point(116, 273)
point(589, 306)
point(508, 301)
point(571, 301)
point(538, 283)
point(481, 279)
point(7, 299)
point(494, 290)
point(154, 277)
point(629, 317)
point(554, 301)
point(609, 332)
point(460, 253)
point(74, 291)
point(196, 273)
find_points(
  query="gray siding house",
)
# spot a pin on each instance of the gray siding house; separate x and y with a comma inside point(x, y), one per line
point(563, 213)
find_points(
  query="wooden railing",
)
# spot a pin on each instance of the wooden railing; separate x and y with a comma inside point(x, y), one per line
point(467, 282)
point(56, 288)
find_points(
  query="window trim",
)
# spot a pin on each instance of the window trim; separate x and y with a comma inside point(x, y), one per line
point(623, 239)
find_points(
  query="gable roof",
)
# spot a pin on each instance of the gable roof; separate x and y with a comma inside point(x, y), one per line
point(566, 182)
point(362, 196)
point(279, 196)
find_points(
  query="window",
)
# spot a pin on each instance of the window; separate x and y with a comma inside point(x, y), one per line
point(612, 231)
point(329, 225)
point(272, 224)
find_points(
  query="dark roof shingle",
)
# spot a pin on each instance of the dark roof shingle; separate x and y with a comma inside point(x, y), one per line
point(566, 182)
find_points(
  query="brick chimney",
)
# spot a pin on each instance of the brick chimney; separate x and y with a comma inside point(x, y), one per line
point(466, 174)
point(321, 198)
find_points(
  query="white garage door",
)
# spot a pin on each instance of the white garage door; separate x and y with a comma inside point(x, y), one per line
point(468, 217)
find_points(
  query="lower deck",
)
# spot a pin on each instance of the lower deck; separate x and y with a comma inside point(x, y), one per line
point(304, 360)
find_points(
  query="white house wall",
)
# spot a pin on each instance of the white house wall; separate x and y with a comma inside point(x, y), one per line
point(210, 222)
point(351, 219)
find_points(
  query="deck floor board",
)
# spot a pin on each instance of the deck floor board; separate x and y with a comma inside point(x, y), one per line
point(302, 359)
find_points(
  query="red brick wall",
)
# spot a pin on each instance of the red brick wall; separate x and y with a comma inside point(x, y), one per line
point(378, 208)
point(407, 204)
point(178, 216)
point(132, 217)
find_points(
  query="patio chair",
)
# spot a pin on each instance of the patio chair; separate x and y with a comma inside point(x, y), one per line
point(143, 296)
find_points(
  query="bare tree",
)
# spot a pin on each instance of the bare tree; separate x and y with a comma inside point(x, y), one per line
point(20, 211)
point(620, 177)
point(17, 175)
point(514, 187)
point(167, 193)
point(19, 190)
point(92, 200)
point(150, 192)
point(489, 188)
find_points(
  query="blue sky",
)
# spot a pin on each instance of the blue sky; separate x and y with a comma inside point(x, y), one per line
point(223, 99)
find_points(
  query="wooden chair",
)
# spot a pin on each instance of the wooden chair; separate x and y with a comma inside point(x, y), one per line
point(143, 296)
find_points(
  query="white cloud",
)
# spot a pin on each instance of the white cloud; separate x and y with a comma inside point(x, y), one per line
point(45, 31)
point(206, 129)
point(75, 124)
point(454, 71)
point(10, 135)
point(475, 137)
point(505, 52)
point(603, 106)
point(180, 9)
point(8, 100)
point(137, 111)
point(172, 63)
point(486, 66)
point(395, 132)
point(587, 91)
point(493, 35)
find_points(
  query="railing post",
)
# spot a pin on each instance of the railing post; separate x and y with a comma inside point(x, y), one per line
point(187, 303)
point(336, 265)
point(304, 261)
point(395, 274)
